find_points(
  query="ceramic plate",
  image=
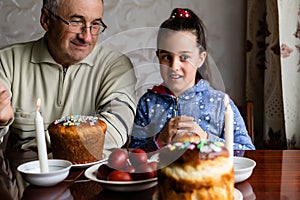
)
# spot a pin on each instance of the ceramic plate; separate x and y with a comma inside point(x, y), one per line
point(243, 168)
point(104, 158)
point(120, 186)
point(237, 195)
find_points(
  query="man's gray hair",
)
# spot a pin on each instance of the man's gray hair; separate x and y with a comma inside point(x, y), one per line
point(51, 5)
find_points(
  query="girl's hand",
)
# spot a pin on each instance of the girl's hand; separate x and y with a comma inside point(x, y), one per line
point(177, 126)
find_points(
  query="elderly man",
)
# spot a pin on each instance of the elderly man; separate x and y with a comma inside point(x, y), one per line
point(70, 72)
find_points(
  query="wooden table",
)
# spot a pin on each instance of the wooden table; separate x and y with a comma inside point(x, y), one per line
point(276, 176)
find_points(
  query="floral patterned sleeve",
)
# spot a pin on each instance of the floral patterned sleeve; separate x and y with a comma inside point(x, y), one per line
point(141, 137)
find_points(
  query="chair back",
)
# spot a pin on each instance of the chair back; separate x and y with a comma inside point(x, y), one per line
point(246, 111)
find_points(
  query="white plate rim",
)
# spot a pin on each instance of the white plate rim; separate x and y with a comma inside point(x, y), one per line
point(105, 156)
point(90, 174)
point(237, 194)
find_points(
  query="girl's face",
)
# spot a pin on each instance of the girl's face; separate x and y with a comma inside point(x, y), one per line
point(179, 59)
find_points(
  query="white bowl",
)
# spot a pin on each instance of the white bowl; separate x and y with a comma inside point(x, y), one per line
point(243, 168)
point(58, 171)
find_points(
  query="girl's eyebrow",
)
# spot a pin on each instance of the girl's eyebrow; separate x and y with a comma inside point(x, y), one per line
point(185, 52)
point(165, 51)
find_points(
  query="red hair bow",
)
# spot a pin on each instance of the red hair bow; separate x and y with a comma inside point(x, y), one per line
point(180, 13)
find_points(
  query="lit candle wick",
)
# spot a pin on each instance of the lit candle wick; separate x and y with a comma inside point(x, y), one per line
point(38, 104)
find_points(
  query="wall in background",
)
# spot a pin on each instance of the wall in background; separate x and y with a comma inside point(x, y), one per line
point(132, 26)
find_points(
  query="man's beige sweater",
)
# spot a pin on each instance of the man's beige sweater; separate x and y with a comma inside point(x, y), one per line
point(102, 84)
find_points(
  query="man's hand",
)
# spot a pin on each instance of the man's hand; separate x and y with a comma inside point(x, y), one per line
point(6, 110)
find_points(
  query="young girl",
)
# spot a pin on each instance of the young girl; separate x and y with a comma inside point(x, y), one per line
point(184, 102)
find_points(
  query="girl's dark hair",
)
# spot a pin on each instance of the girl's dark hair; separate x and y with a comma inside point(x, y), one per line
point(184, 19)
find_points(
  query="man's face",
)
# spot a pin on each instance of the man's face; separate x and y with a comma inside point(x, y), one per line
point(66, 47)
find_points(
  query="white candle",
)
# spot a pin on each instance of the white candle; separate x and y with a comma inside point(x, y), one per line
point(40, 139)
point(228, 126)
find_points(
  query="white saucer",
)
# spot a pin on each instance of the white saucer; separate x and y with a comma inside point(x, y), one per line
point(237, 194)
point(104, 158)
point(58, 171)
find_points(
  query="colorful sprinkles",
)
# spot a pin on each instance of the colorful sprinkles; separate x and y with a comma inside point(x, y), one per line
point(76, 120)
point(204, 146)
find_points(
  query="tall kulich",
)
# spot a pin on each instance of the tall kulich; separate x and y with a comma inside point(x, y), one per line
point(195, 170)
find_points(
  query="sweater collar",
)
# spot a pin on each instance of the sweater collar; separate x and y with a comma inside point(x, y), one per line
point(201, 85)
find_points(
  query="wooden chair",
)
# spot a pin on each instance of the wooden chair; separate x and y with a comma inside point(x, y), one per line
point(246, 111)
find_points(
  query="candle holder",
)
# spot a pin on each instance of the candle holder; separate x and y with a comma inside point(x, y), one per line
point(58, 171)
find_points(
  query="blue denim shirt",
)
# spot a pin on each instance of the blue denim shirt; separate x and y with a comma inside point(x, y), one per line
point(202, 102)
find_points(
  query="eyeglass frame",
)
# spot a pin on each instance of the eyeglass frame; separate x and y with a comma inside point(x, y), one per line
point(84, 28)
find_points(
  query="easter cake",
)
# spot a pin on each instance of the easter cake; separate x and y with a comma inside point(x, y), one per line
point(77, 138)
point(195, 170)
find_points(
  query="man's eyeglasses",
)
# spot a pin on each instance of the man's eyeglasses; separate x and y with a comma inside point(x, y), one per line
point(80, 27)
